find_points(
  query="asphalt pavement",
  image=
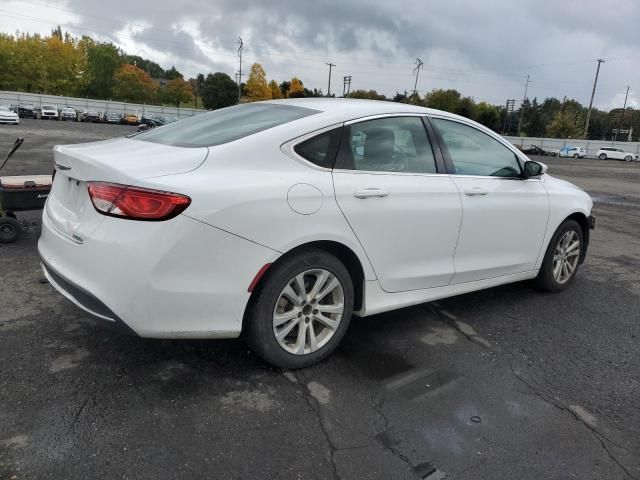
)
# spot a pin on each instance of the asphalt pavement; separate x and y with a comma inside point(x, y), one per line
point(507, 383)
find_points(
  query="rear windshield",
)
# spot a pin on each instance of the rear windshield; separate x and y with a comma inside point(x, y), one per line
point(224, 125)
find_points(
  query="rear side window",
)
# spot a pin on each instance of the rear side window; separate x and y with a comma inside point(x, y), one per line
point(320, 150)
point(224, 125)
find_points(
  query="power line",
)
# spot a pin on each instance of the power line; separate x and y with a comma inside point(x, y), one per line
point(346, 87)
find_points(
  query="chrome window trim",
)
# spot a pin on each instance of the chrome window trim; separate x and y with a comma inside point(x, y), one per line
point(521, 157)
point(288, 147)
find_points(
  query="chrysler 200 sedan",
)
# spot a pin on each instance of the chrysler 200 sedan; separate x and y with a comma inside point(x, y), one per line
point(280, 220)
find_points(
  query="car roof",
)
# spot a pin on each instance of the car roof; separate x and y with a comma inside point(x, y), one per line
point(354, 108)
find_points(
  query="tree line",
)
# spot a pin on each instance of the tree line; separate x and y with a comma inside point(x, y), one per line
point(61, 64)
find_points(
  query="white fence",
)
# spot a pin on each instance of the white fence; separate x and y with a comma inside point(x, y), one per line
point(591, 146)
point(102, 106)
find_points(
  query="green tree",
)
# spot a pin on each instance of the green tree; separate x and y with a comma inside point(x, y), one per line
point(447, 100)
point(488, 115)
point(103, 61)
point(219, 91)
point(152, 68)
point(284, 88)
point(172, 73)
point(466, 107)
point(132, 84)
point(257, 87)
point(177, 91)
point(367, 94)
point(563, 126)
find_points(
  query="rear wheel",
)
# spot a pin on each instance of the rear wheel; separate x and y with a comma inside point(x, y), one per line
point(301, 310)
point(562, 258)
point(575, 155)
point(602, 156)
point(10, 230)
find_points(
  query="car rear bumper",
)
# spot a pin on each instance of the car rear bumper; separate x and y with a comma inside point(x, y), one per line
point(83, 299)
point(175, 279)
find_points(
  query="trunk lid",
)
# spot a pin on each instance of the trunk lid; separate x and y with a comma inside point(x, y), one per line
point(125, 161)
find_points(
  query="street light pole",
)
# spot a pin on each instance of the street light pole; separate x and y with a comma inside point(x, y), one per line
point(593, 93)
point(526, 89)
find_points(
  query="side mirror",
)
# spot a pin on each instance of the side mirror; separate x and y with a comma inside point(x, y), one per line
point(534, 169)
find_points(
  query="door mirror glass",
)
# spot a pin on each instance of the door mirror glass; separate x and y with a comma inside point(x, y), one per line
point(534, 169)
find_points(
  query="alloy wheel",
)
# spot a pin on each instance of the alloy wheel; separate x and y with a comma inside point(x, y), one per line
point(566, 256)
point(308, 311)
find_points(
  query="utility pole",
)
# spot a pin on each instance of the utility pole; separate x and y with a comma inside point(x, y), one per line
point(346, 86)
point(526, 89)
point(240, 46)
point(593, 93)
point(331, 65)
point(416, 70)
point(615, 135)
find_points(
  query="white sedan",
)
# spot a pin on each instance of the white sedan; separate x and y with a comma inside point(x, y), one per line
point(8, 116)
point(279, 220)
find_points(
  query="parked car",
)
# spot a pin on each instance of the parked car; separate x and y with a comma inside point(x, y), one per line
point(573, 152)
point(148, 123)
point(8, 116)
point(606, 153)
point(68, 113)
point(535, 150)
point(112, 117)
point(131, 119)
point(279, 220)
point(91, 116)
point(49, 112)
point(26, 111)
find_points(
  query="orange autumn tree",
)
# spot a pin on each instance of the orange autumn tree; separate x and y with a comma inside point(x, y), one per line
point(256, 86)
point(177, 91)
point(132, 84)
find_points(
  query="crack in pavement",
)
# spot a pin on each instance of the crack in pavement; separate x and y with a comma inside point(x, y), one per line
point(548, 398)
point(534, 388)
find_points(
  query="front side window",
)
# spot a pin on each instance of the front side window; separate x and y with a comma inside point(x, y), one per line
point(476, 153)
point(321, 149)
point(395, 144)
point(224, 125)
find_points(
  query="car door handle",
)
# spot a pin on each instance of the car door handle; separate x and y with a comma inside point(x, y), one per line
point(370, 192)
point(473, 192)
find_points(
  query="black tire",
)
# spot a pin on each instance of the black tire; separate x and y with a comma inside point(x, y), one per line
point(10, 230)
point(545, 280)
point(628, 158)
point(602, 156)
point(575, 155)
point(258, 329)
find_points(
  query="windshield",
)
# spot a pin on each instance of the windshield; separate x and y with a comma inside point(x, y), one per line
point(225, 125)
point(48, 107)
point(3, 108)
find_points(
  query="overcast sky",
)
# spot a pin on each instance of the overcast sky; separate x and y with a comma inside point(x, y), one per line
point(483, 48)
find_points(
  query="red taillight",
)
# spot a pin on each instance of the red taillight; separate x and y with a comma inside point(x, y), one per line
point(135, 203)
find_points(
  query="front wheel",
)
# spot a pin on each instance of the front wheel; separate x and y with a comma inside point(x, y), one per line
point(562, 258)
point(628, 158)
point(301, 310)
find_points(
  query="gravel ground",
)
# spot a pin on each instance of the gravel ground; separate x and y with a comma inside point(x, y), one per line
point(507, 383)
